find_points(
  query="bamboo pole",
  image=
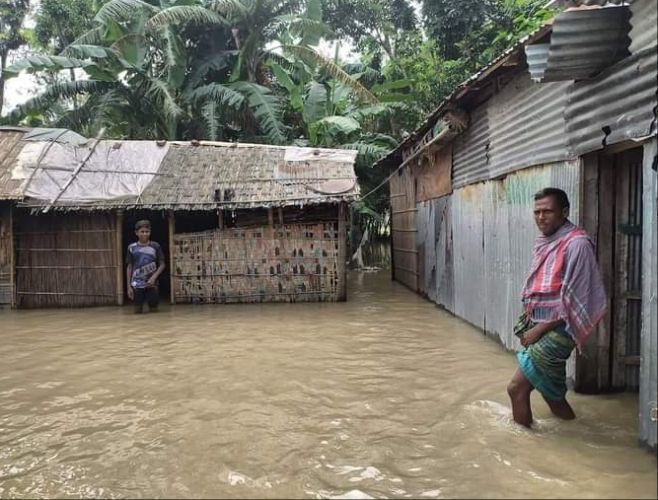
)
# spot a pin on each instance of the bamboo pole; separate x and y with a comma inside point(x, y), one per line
point(119, 256)
point(12, 259)
point(172, 228)
point(220, 219)
point(341, 289)
point(281, 216)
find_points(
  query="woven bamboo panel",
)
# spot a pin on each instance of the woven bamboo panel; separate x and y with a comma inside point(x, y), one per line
point(6, 288)
point(288, 263)
point(65, 260)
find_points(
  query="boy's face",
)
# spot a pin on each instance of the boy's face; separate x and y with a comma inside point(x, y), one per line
point(143, 234)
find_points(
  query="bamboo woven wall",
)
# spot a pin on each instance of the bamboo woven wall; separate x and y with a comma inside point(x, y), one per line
point(285, 263)
point(403, 228)
point(6, 288)
point(66, 260)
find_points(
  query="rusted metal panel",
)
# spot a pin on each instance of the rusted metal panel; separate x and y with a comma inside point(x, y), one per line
point(643, 21)
point(529, 125)
point(470, 153)
point(434, 174)
point(649, 334)
point(616, 106)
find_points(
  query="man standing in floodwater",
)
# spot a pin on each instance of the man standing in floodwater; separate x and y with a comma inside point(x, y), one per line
point(145, 262)
point(563, 300)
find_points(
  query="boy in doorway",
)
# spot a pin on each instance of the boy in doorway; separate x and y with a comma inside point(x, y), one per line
point(145, 262)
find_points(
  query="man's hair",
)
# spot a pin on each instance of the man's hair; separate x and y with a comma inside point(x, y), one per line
point(559, 195)
point(142, 223)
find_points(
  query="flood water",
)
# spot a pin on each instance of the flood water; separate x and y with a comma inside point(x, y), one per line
point(383, 396)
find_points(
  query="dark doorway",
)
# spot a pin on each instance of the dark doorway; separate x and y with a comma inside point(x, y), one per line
point(159, 234)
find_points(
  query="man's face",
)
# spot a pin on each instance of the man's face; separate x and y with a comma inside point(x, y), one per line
point(143, 234)
point(549, 217)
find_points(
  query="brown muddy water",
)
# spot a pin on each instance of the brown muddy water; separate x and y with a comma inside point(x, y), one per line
point(382, 396)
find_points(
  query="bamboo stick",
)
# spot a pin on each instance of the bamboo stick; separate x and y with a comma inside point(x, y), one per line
point(65, 250)
point(12, 259)
point(119, 256)
point(77, 294)
point(67, 267)
point(77, 170)
point(172, 230)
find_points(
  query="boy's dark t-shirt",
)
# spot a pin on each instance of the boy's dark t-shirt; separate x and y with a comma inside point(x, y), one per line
point(144, 259)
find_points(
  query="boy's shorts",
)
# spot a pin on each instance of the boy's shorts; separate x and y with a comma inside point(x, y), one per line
point(149, 295)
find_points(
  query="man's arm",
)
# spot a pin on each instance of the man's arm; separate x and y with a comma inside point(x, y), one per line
point(161, 267)
point(538, 331)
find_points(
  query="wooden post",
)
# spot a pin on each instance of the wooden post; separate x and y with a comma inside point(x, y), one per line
point(220, 219)
point(281, 216)
point(12, 259)
point(341, 288)
point(172, 270)
point(118, 237)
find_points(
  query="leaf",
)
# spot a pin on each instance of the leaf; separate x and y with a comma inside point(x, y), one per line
point(218, 93)
point(266, 108)
point(214, 62)
point(335, 71)
point(158, 91)
point(186, 13)
point(335, 125)
point(83, 51)
point(122, 10)
point(211, 117)
point(41, 62)
point(315, 104)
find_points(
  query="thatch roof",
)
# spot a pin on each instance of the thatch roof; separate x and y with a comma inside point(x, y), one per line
point(178, 175)
point(10, 146)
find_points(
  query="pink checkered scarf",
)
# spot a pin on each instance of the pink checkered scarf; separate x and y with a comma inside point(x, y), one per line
point(565, 282)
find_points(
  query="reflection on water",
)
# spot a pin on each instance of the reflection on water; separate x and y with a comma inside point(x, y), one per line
point(382, 396)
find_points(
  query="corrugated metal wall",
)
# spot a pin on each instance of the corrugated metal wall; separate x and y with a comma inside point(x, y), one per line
point(470, 152)
point(649, 336)
point(616, 106)
point(643, 21)
point(527, 125)
point(473, 268)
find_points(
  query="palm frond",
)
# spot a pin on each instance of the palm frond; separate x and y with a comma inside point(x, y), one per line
point(40, 62)
point(160, 94)
point(223, 95)
point(186, 13)
point(59, 91)
point(87, 51)
point(91, 37)
point(230, 8)
point(315, 104)
point(214, 62)
point(123, 10)
point(266, 108)
point(211, 117)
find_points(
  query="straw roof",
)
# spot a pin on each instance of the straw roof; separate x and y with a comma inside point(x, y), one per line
point(190, 176)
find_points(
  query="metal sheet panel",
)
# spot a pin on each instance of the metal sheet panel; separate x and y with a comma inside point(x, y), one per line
point(643, 21)
point(493, 232)
point(584, 42)
point(426, 248)
point(649, 335)
point(616, 106)
point(470, 151)
point(469, 265)
point(529, 125)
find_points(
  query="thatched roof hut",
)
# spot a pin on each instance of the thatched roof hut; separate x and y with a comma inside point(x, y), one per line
point(71, 201)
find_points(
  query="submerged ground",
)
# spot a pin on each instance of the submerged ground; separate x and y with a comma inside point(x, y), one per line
point(383, 396)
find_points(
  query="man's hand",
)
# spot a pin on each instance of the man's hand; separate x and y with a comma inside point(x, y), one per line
point(131, 293)
point(150, 283)
point(532, 335)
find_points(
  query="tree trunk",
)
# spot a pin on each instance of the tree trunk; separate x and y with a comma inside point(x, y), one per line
point(3, 63)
